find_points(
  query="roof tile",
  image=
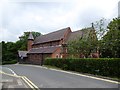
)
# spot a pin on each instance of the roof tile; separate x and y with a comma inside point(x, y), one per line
point(54, 36)
point(43, 49)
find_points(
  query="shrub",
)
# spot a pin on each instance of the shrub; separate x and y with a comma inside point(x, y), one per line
point(9, 62)
point(98, 66)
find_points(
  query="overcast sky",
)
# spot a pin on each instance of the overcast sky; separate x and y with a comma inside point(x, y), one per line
point(44, 16)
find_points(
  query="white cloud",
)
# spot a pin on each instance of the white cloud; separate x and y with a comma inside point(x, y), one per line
point(49, 15)
point(6, 35)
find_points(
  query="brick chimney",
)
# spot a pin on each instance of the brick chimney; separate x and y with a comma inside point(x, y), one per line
point(30, 41)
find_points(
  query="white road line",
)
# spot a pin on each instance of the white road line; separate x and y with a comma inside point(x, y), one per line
point(27, 81)
point(12, 71)
point(87, 76)
point(111, 81)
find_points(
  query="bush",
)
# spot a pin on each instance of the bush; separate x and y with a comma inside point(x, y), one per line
point(9, 62)
point(98, 66)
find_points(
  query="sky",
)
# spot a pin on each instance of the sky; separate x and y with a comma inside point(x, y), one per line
point(44, 16)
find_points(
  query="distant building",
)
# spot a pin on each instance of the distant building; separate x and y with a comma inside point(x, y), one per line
point(53, 44)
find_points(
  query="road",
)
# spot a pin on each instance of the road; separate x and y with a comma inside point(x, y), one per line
point(8, 79)
point(48, 78)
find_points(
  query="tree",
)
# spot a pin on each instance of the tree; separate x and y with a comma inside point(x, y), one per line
point(8, 52)
point(78, 47)
point(23, 39)
point(10, 49)
point(101, 27)
point(110, 44)
point(83, 46)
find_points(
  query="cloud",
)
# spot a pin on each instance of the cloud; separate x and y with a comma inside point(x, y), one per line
point(50, 15)
point(6, 35)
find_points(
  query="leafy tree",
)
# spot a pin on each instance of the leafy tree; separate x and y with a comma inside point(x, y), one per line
point(83, 46)
point(110, 44)
point(8, 52)
point(23, 39)
point(10, 49)
point(101, 27)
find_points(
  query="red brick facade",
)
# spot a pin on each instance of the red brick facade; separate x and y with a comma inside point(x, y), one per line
point(29, 44)
point(50, 45)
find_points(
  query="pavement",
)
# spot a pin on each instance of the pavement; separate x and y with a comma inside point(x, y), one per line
point(43, 77)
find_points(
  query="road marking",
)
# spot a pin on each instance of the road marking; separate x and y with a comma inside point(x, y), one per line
point(111, 81)
point(30, 83)
point(9, 74)
point(87, 76)
point(11, 71)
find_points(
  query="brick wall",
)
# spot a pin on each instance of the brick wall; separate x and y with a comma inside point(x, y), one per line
point(57, 53)
point(37, 58)
point(29, 45)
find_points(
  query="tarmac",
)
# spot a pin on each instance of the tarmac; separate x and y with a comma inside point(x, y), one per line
point(9, 81)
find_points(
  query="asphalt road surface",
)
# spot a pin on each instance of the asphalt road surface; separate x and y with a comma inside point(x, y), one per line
point(47, 78)
point(8, 80)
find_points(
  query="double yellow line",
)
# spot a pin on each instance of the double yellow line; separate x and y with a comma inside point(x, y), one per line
point(25, 79)
point(31, 84)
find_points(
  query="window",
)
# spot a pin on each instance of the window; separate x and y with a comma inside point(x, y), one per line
point(57, 56)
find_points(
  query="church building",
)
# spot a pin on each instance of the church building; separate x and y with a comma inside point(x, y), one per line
point(53, 44)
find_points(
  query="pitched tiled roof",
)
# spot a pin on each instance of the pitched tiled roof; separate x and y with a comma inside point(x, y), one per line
point(54, 36)
point(84, 33)
point(49, 49)
point(30, 36)
point(22, 53)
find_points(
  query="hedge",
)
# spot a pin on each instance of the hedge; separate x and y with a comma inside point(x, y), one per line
point(98, 66)
point(9, 62)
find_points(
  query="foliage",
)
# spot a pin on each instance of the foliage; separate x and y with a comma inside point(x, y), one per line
point(98, 66)
point(101, 27)
point(9, 62)
point(83, 46)
point(110, 44)
point(9, 52)
point(23, 39)
point(10, 49)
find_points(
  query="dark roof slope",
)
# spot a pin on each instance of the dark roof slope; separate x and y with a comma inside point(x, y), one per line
point(22, 53)
point(84, 33)
point(30, 37)
point(54, 36)
point(43, 50)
